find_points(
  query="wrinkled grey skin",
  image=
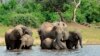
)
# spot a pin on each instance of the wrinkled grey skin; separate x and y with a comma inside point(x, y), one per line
point(26, 42)
point(56, 31)
point(13, 36)
point(74, 38)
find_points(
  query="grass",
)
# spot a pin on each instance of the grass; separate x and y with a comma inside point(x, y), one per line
point(3, 29)
point(90, 35)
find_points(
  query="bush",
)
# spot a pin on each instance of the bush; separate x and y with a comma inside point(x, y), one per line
point(68, 16)
point(80, 17)
point(26, 19)
point(53, 16)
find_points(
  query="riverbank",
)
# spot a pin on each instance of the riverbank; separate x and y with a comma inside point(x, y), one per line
point(90, 35)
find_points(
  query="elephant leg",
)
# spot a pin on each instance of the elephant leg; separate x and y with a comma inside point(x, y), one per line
point(7, 47)
point(17, 44)
point(76, 45)
point(42, 45)
point(12, 45)
point(69, 44)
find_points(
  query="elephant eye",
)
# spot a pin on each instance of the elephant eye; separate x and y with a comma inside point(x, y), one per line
point(63, 24)
point(58, 23)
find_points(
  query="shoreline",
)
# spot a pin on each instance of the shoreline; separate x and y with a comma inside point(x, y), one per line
point(37, 42)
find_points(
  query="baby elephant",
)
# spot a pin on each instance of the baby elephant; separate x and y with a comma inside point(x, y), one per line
point(26, 42)
point(73, 40)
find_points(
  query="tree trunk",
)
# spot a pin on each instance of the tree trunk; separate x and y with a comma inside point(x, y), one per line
point(75, 9)
point(59, 13)
point(61, 17)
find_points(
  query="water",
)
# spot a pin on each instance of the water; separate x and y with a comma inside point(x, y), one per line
point(87, 50)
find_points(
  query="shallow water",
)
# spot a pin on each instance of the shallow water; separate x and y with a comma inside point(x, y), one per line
point(87, 50)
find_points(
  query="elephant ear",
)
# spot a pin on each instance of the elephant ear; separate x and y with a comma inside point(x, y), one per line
point(26, 30)
point(54, 28)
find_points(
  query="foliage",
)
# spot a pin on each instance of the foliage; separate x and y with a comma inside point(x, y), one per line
point(35, 12)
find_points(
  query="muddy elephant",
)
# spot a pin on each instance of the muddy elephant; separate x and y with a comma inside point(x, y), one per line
point(26, 42)
point(13, 36)
point(53, 31)
point(73, 40)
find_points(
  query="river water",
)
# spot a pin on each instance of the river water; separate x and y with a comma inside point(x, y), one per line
point(87, 50)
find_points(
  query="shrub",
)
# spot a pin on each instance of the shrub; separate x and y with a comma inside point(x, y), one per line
point(26, 19)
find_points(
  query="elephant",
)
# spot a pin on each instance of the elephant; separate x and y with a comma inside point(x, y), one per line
point(74, 38)
point(43, 31)
point(26, 42)
point(13, 36)
point(53, 31)
point(61, 34)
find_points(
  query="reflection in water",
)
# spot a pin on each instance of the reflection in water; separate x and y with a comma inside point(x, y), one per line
point(89, 50)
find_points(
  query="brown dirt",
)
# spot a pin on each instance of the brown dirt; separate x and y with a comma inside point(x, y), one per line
point(1, 40)
point(77, 26)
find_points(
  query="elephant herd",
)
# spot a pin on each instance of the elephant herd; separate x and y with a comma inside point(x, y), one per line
point(56, 36)
point(19, 37)
point(52, 36)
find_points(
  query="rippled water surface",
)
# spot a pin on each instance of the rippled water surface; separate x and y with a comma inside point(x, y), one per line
point(87, 50)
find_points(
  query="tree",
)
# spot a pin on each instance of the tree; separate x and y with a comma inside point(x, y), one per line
point(54, 6)
point(76, 5)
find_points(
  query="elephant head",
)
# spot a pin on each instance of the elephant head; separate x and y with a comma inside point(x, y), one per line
point(61, 32)
point(17, 32)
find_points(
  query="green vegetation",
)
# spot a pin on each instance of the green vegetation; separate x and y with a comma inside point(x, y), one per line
point(34, 12)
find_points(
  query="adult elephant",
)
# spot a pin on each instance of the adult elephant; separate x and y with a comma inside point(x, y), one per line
point(51, 34)
point(61, 35)
point(43, 31)
point(73, 40)
point(13, 36)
